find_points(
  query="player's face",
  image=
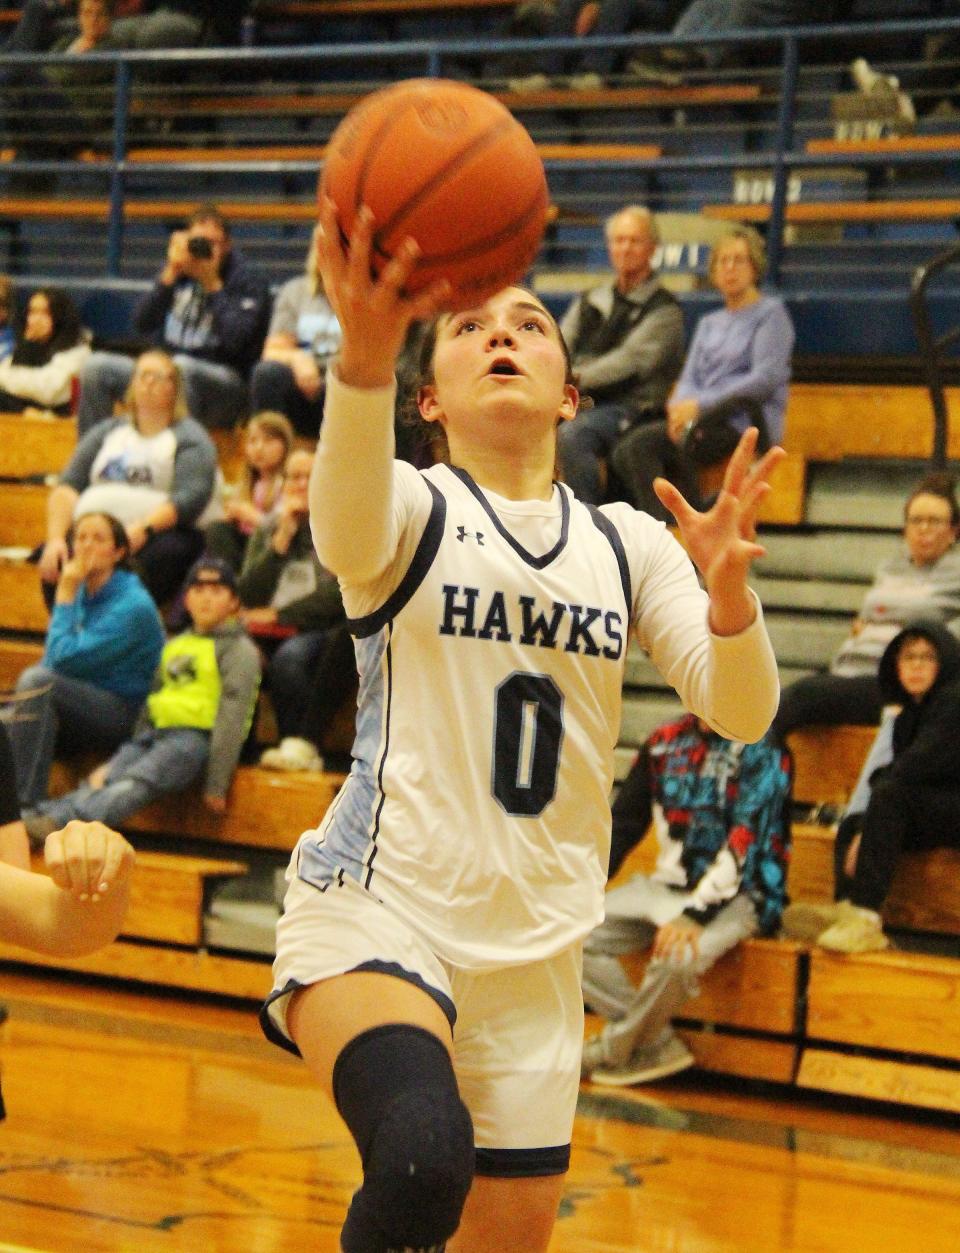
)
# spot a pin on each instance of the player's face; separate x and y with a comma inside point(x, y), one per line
point(503, 359)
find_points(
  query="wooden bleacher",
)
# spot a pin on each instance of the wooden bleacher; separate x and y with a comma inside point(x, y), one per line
point(936, 208)
point(278, 153)
point(892, 144)
point(287, 103)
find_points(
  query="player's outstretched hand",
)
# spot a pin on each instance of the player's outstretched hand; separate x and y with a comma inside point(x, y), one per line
point(373, 311)
point(722, 540)
point(88, 859)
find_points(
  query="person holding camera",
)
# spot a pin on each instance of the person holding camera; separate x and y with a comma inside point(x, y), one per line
point(208, 311)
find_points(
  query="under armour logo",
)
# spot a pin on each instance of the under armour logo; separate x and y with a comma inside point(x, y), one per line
point(463, 534)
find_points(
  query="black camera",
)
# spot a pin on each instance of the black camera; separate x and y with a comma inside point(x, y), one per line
point(199, 248)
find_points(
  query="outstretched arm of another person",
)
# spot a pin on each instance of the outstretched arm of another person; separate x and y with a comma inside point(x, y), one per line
point(81, 906)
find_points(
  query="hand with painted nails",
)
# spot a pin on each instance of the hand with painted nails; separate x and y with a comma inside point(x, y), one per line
point(87, 859)
point(80, 906)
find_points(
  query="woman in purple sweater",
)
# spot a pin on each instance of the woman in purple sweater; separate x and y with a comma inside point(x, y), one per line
point(735, 375)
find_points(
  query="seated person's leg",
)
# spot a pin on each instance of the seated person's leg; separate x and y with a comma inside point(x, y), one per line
point(103, 380)
point(216, 394)
point(641, 1044)
point(582, 445)
point(828, 700)
point(273, 387)
point(644, 454)
point(165, 558)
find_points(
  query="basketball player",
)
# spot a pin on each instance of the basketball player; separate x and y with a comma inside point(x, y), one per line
point(428, 960)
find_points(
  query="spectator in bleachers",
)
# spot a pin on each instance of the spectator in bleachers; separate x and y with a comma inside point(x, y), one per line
point(52, 110)
point(913, 801)
point(40, 24)
point(181, 24)
point(303, 337)
point(588, 70)
point(49, 351)
point(626, 344)
point(99, 657)
point(719, 810)
point(289, 596)
point(153, 468)
point(195, 720)
point(208, 311)
point(7, 336)
point(703, 18)
point(735, 376)
point(922, 581)
point(267, 442)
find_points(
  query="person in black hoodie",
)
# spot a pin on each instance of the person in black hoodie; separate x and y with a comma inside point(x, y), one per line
point(914, 801)
point(208, 311)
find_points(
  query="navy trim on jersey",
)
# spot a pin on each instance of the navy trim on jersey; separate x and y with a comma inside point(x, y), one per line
point(603, 524)
point(537, 563)
point(421, 563)
point(523, 1163)
point(376, 966)
point(269, 1027)
point(276, 1036)
point(388, 696)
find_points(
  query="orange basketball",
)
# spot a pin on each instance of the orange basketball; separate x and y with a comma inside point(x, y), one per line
point(450, 166)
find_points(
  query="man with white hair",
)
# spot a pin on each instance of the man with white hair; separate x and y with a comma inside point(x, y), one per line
point(626, 342)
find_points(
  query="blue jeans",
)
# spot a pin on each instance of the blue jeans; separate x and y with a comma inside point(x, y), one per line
point(65, 715)
point(715, 17)
point(585, 442)
point(216, 394)
point(309, 677)
point(151, 764)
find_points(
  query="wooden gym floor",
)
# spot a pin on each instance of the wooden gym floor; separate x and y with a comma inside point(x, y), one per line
point(143, 1123)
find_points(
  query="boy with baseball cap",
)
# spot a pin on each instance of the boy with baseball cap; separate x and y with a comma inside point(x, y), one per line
point(195, 719)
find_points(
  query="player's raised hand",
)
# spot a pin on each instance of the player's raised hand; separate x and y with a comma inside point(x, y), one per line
point(722, 540)
point(87, 859)
point(374, 311)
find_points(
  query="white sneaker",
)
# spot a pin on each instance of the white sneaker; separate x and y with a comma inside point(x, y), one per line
point(655, 1061)
point(869, 80)
point(530, 82)
point(586, 82)
point(862, 932)
point(293, 753)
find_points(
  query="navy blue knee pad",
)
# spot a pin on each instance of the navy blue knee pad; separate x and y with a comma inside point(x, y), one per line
point(395, 1089)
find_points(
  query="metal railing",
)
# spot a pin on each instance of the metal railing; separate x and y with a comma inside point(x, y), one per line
point(933, 348)
point(135, 75)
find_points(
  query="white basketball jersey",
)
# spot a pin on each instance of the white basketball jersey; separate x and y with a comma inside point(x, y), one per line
point(490, 692)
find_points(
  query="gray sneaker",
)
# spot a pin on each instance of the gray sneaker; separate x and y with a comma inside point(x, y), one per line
point(594, 1056)
point(653, 1061)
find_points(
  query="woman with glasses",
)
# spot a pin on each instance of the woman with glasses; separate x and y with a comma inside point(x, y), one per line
point(922, 581)
point(153, 468)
